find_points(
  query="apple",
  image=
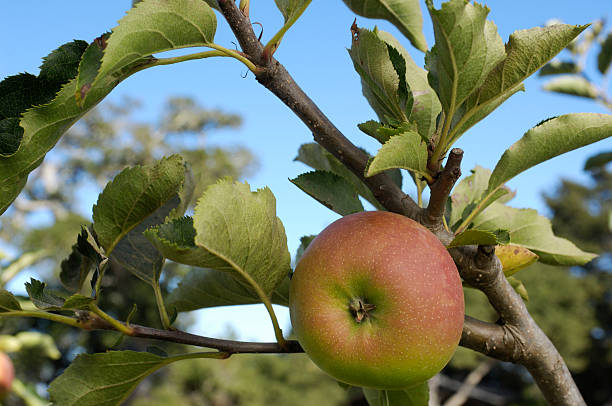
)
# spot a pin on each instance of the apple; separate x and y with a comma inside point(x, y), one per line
point(7, 374)
point(376, 301)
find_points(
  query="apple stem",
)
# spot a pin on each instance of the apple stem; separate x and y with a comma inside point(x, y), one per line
point(360, 308)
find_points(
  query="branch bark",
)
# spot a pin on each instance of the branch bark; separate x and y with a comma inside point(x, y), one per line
point(91, 321)
point(522, 341)
point(433, 216)
point(518, 338)
point(273, 76)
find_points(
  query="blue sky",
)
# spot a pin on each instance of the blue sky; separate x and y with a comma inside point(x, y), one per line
point(314, 52)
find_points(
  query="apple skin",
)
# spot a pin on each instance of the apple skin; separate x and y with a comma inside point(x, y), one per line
point(7, 374)
point(395, 264)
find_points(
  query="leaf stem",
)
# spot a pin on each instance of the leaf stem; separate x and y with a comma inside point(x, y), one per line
point(479, 207)
point(117, 325)
point(183, 58)
point(59, 318)
point(274, 42)
point(236, 55)
point(278, 333)
point(159, 299)
point(30, 398)
point(197, 355)
point(218, 51)
point(442, 144)
point(101, 270)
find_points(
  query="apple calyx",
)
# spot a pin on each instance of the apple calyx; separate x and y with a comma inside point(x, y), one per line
point(359, 308)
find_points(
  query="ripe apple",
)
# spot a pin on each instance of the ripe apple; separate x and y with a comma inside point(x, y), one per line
point(7, 374)
point(376, 301)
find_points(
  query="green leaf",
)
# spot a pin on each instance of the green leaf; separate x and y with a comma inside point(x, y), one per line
point(85, 257)
point(315, 156)
point(61, 65)
point(11, 134)
point(213, 3)
point(21, 92)
point(604, 59)
point(8, 302)
point(379, 77)
point(135, 252)
point(403, 91)
point(331, 190)
point(154, 26)
point(292, 9)
point(466, 51)
point(472, 111)
point(104, 379)
point(75, 269)
point(42, 297)
point(547, 140)
point(233, 230)
point(526, 52)
point(519, 288)
point(426, 106)
point(396, 88)
point(530, 230)
point(480, 237)
point(404, 14)
point(468, 194)
point(89, 66)
point(415, 396)
point(204, 288)
point(556, 67)
point(135, 194)
point(406, 151)
point(78, 302)
point(370, 128)
point(598, 161)
point(43, 126)
point(574, 85)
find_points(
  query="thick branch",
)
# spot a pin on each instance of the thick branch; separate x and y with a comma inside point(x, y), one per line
point(489, 339)
point(275, 78)
point(529, 346)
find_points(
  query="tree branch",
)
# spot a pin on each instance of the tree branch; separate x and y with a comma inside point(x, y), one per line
point(470, 382)
point(489, 339)
point(523, 342)
point(229, 346)
point(91, 321)
point(275, 78)
point(440, 190)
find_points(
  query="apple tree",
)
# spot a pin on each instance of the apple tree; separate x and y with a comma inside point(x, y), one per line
point(233, 238)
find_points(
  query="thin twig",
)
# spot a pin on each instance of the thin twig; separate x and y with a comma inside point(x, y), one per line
point(470, 382)
point(93, 322)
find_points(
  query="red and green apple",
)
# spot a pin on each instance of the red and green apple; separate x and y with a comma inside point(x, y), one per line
point(376, 301)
